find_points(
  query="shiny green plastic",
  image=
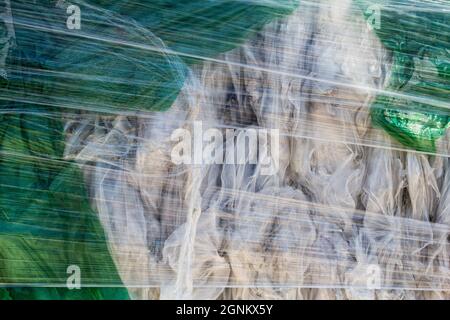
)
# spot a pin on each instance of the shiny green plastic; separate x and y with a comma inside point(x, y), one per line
point(415, 106)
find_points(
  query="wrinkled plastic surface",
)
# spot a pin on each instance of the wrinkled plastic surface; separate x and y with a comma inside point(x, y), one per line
point(354, 209)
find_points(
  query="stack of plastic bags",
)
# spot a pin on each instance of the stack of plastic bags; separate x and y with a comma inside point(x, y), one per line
point(224, 149)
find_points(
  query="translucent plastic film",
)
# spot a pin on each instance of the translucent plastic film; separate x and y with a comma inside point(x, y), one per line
point(225, 149)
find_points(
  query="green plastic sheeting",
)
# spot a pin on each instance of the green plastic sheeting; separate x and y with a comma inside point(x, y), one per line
point(414, 109)
point(46, 224)
point(201, 28)
point(127, 57)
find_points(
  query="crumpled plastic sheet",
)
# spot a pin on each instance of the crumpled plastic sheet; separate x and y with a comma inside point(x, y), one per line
point(351, 211)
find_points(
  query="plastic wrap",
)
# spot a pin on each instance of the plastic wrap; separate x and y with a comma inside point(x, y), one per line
point(314, 153)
